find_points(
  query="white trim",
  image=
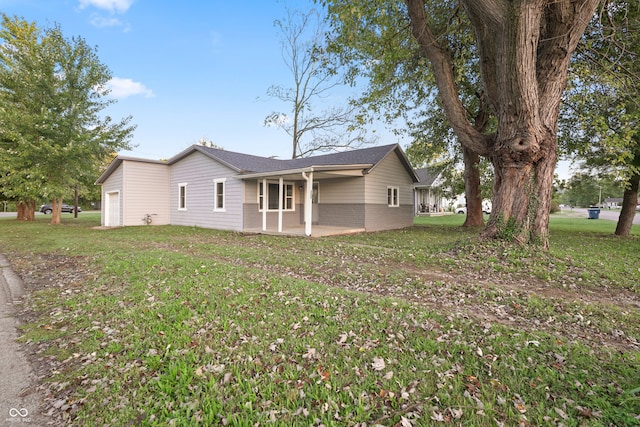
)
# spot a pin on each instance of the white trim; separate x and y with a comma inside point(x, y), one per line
point(308, 206)
point(281, 202)
point(180, 186)
point(107, 206)
point(264, 200)
point(224, 195)
point(395, 196)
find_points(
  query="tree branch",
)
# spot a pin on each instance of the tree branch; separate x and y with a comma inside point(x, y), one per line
point(443, 72)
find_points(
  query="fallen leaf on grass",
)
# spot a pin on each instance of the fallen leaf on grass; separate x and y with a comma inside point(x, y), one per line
point(324, 375)
point(310, 354)
point(561, 413)
point(378, 364)
point(437, 416)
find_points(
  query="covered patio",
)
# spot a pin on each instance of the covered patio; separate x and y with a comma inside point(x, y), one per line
point(311, 176)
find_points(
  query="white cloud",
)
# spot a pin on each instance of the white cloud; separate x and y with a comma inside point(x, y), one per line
point(122, 88)
point(117, 6)
point(102, 22)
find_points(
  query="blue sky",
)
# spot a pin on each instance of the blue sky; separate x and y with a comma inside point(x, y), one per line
point(187, 70)
point(184, 70)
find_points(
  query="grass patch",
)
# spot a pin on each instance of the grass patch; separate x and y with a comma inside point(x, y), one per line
point(183, 326)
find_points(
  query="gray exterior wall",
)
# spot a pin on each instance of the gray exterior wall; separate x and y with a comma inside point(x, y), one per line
point(198, 172)
point(381, 217)
point(146, 193)
point(378, 215)
point(341, 190)
point(342, 214)
point(142, 188)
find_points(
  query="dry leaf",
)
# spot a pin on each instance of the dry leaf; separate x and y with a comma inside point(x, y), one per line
point(378, 364)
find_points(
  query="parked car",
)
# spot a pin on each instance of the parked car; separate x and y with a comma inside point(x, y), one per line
point(46, 209)
point(463, 209)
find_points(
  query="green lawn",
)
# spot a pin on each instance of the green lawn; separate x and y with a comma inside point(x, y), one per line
point(424, 326)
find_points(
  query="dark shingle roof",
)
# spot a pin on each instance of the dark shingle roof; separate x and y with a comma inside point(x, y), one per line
point(427, 175)
point(247, 163)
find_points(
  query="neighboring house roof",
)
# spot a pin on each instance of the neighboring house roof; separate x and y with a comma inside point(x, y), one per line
point(250, 166)
point(118, 160)
point(427, 176)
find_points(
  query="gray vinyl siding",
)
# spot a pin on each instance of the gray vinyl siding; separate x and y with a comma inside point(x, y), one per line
point(342, 215)
point(146, 193)
point(341, 190)
point(390, 172)
point(198, 171)
point(113, 183)
point(381, 217)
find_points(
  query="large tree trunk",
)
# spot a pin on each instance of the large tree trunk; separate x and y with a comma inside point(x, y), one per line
point(524, 48)
point(472, 189)
point(26, 210)
point(56, 210)
point(629, 203)
point(522, 197)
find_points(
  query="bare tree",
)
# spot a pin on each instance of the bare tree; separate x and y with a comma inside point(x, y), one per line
point(314, 79)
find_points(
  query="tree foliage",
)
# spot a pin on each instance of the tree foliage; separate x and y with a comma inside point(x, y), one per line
point(374, 39)
point(601, 114)
point(52, 92)
point(584, 189)
point(314, 79)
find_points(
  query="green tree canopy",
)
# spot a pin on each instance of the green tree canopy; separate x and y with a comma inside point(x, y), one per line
point(601, 114)
point(52, 93)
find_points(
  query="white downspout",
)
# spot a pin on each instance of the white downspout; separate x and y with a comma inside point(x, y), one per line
point(308, 206)
point(280, 203)
point(264, 204)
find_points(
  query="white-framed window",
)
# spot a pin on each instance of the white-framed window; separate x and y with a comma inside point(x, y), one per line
point(182, 196)
point(273, 189)
point(219, 194)
point(393, 199)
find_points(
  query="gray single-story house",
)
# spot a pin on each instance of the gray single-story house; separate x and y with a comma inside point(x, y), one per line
point(368, 189)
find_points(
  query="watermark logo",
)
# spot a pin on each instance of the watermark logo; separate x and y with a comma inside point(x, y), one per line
point(13, 412)
point(18, 415)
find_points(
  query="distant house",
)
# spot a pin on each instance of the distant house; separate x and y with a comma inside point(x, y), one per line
point(428, 196)
point(612, 202)
point(359, 190)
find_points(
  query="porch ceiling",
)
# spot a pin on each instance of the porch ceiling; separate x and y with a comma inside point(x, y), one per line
point(319, 172)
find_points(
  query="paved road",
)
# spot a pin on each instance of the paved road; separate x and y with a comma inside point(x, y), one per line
point(19, 402)
point(608, 214)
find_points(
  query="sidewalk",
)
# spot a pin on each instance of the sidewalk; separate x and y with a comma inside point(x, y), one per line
point(19, 402)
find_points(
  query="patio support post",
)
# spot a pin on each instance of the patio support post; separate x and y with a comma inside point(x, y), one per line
point(280, 203)
point(264, 204)
point(308, 206)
